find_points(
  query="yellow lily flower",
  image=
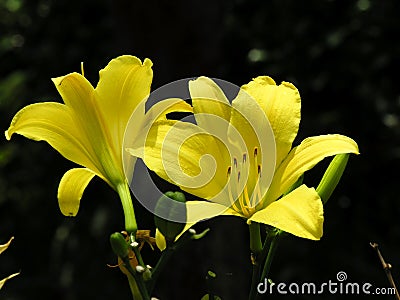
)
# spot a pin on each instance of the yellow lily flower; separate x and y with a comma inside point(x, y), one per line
point(2, 249)
point(89, 127)
point(239, 156)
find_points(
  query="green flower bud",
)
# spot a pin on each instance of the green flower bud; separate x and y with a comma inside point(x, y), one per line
point(332, 176)
point(119, 245)
point(170, 207)
point(146, 274)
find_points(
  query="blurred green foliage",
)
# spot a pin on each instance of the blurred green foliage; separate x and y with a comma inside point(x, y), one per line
point(342, 55)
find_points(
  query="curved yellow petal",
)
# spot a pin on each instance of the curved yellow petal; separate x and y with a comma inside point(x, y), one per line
point(304, 157)
point(4, 247)
point(299, 213)
point(161, 242)
point(282, 106)
point(252, 124)
point(140, 123)
point(208, 101)
point(53, 122)
point(198, 211)
point(3, 281)
point(187, 156)
point(124, 83)
point(71, 188)
point(202, 210)
point(78, 95)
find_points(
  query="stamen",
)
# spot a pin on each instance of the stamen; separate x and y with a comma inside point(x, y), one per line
point(229, 171)
point(243, 206)
point(244, 157)
point(234, 204)
point(238, 176)
point(235, 162)
point(246, 196)
point(259, 170)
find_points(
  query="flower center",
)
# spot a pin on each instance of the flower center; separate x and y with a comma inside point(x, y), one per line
point(241, 174)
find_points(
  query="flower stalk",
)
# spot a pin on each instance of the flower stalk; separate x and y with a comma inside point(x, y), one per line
point(127, 205)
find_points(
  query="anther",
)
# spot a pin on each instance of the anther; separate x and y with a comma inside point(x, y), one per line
point(238, 176)
point(235, 162)
point(259, 170)
point(229, 171)
point(244, 157)
point(255, 151)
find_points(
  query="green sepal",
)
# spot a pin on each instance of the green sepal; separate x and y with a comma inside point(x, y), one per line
point(171, 206)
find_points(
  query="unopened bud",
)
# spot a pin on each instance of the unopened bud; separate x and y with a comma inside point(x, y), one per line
point(170, 215)
point(332, 176)
point(119, 245)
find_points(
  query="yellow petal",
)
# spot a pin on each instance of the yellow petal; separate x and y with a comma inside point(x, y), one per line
point(251, 122)
point(53, 122)
point(71, 188)
point(78, 94)
point(282, 106)
point(203, 210)
point(304, 157)
point(208, 101)
point(185, 155)
point(139, 124)
point(160, 240)
point(124, 83)
point(299, 213)
point(2, 282)
point(5, 246)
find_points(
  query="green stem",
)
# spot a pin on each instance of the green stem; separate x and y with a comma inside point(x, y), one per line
point(127, 205)
point(136, 251)
point(167, 253)
point(254, 281)
point(257, 263)
point(134, 288)
point(255, 238)
point(271, 253)
point(165, 257)
point(255, 248)
point(138, 280)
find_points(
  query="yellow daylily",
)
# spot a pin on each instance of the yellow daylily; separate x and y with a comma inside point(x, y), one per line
point(228, 158)
point(89, 127)
point(2, 249)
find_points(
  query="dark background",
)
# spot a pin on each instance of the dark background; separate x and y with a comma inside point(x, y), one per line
point(342, 55)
